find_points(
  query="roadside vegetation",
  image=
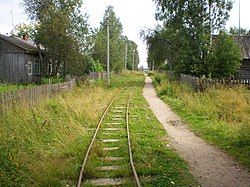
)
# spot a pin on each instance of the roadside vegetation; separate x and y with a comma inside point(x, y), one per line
point(5, 87)
point(44, 145)
point(221, 116)
point(155, 161)
point(12, 87)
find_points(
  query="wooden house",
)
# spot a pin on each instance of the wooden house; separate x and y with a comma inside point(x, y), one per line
point(19, 60)
point(244, 42)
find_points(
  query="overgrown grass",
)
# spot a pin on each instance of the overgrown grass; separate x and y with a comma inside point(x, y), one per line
point(221, 116)
point(9, 87)
point(44, 145)
point(156, 163)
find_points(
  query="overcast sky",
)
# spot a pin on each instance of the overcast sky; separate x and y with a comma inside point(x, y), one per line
point(134, 15)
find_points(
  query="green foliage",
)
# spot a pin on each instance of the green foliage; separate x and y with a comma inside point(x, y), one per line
point(52, 80)
point(158, 79)
point(220, 116)
point(9, 168)
point(185, 38)
point(237, 31)
point(29, 29)
point(117, 44)
point(150, 153)
point(225, 56)
point(13, 87)
point(96, 66)
point(63, 31)
point(8, 87)
point(44, 144)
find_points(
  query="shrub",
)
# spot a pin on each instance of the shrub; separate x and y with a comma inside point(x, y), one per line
point(225, 56)
point(52, 80)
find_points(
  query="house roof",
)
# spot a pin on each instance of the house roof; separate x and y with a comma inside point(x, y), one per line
point(244, 42)
point(21, 43)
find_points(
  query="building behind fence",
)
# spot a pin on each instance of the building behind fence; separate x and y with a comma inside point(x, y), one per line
point(203, 83)
point(33, 94)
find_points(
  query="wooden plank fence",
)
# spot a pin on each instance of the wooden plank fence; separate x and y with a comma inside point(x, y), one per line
point(97, 75)
point(33, 94)
point(203, 83)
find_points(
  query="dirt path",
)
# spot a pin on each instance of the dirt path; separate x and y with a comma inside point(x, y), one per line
point(208, 164)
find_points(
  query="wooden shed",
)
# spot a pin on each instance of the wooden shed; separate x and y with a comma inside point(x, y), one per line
point(244, 42)
point(19, 60)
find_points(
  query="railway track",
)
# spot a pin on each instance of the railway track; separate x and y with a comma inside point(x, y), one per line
point(109, 160)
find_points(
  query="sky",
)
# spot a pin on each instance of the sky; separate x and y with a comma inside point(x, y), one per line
point(134, 16)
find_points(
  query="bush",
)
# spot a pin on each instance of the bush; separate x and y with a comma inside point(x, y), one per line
point(225, 56)
point(52, 80)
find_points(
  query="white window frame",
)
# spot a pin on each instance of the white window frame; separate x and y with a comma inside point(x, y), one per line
point(37, 67)
point(29, 68)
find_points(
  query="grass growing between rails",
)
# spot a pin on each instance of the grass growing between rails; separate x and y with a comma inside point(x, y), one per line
point(221, 116)
point(44, 145)
point(156, 163)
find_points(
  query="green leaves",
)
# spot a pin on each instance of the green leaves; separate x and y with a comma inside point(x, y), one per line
point(64, 33)
point(117, 43)
point(185, 40)
point(224, 59)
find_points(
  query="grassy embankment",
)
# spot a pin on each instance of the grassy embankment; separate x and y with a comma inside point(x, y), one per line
point(44, 145)
point(221, 116)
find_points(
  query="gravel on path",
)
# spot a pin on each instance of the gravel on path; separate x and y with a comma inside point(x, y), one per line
point(207, 163)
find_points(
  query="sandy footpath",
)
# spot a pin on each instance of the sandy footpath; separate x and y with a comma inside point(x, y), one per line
point(208, 164)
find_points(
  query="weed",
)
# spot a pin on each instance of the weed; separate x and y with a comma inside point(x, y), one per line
point(45, 145)
point(221, 115)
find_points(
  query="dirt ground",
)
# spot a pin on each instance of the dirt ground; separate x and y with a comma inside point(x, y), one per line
point(207, 163)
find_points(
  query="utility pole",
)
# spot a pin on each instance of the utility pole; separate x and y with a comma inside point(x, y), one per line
point(126, 56)
point(239, 17)
point(133, 68)
point(108, 81)
point(12, 20)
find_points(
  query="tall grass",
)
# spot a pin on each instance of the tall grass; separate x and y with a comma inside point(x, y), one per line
point(43, 145)
point(9, 87)
point(221, 116)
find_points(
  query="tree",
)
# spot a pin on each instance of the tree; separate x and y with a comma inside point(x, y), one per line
point(29, 29)
point(189, 24)
point(237, 31)
point(63, 31)
point(132, 55)
point(225, 56)
point(117, 43)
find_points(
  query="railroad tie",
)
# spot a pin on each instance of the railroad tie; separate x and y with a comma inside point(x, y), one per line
point(110, 148)
point(113, 129)
point(110, 168)
point(112, 158)
point(105, 182)
point(110, 140)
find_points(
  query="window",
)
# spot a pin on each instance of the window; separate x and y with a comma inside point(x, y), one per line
point(29, 67)
point(37, 69)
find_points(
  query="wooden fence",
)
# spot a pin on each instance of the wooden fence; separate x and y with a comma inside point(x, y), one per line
point(203, 83)
point(97, 75)
point(33, 94)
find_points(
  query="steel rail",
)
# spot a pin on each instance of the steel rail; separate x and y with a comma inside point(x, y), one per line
point(129, 143)
point(94, 137)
